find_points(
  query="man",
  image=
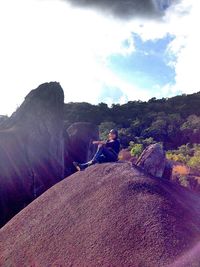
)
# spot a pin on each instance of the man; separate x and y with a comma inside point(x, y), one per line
point(107, 151)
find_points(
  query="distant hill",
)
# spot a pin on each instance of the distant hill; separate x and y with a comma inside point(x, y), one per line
point(173, 121)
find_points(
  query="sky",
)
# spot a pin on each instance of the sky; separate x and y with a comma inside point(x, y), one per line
point(99, 50)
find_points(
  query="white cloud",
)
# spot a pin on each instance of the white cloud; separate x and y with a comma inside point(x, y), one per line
point(181, 21)
point(130, 91)
point(186, 49)
point(48, 40)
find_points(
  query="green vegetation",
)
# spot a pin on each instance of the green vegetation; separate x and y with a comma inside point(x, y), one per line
point(173, 122)
point(194, 161)
point(136, 150)
point(187, 154)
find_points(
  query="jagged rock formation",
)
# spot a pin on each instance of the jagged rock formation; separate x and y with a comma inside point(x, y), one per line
point(36, 151)
point(78, 144)
point(31, 149)
point(109, 215)
point(153, 160)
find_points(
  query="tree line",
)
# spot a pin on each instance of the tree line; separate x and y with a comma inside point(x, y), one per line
point(171, 121)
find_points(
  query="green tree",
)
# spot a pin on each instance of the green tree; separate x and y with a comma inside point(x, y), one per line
point(174, 121)
point(125, 136)
point(191, 129)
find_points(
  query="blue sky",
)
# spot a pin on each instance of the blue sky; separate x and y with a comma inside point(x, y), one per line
point(95, 56)
point(148, 66)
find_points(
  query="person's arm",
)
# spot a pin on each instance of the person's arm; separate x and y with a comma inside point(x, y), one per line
point(99, 142)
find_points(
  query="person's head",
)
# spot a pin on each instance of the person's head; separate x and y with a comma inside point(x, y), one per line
point(113, 134)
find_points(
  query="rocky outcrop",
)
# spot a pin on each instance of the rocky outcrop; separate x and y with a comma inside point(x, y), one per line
point(167, 174)
point(109, 215)
point(31, 149)
point(36, 151)
point(3, 119)
point(78, 144)
point(153, 160)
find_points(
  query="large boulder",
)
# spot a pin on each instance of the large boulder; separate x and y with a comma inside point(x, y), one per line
point(153, 160)
point(31, 149)
point(109, 215)
point(78, 144)
point(3, 119)
point(35, 149)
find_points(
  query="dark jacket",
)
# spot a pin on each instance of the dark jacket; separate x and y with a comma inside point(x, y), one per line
point(114, 146)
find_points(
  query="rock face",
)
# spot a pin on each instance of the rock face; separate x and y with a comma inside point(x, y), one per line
point(153, 160)
point(35, 151)
point(3, 119)
point(78, 144)
point(109, 215)
point(167, 174)
point(31, 149)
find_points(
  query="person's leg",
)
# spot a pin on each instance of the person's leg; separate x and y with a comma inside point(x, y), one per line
point(102, 159)
point(109, 155)
point(103, 154)
point(98, 154)
point(95, 159)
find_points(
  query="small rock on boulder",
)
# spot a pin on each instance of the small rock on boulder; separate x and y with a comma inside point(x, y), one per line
point(153, 160)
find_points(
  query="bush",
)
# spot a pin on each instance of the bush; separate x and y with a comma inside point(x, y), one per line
point(189, 155)
point(136, 150)
point(183, 180)
point(194, 162)
point(176, 157)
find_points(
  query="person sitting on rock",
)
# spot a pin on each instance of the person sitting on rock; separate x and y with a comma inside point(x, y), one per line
point(107, 151)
